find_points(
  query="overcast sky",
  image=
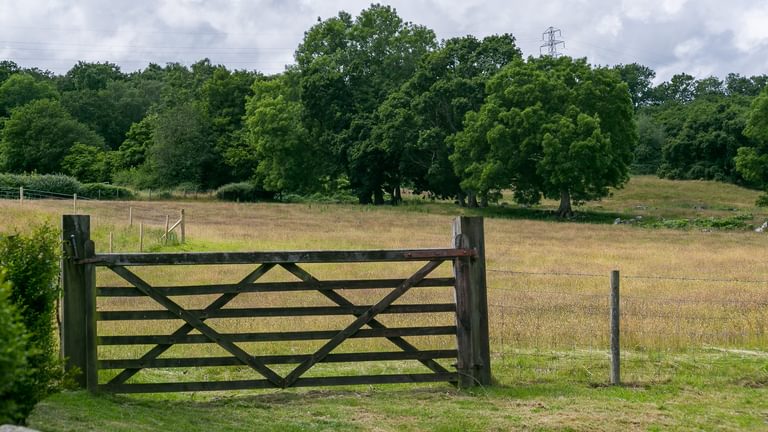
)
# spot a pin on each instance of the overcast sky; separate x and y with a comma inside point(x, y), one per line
point(700, 37)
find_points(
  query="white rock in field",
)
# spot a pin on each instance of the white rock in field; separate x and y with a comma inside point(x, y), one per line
point(617, 221)
point(762, 228)
point(12, 428)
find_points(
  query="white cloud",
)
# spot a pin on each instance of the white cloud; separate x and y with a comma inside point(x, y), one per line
point(670, 36)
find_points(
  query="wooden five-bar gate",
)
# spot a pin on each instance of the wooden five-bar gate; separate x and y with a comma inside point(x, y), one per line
point(80, 340)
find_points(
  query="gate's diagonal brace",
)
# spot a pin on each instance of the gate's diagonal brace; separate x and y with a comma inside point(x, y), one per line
point(362, 320)
point(198, 324)
point(373, 323)
point(217, 304)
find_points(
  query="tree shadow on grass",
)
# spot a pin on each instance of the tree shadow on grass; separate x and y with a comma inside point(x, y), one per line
point(528, 213)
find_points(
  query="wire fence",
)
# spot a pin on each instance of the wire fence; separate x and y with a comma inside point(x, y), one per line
point(541, 319)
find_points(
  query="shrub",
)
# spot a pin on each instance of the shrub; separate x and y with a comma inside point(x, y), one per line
point(105, 191)
point(56, 183)
point(13, 357)
point(31, 263)
point(245, 192)
point(762, 200)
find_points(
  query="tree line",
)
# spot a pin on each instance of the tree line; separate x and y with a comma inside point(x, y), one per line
point(374, 104)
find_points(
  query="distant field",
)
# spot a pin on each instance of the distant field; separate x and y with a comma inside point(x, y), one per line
point(691, 297)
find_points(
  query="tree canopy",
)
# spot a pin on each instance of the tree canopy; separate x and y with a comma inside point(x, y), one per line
point(550, 127)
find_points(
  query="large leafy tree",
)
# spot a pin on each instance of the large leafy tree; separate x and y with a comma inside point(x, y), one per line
point(549, 127)
point(181, 150)
point(38, 135)
point(639, 80)
point(22, 88)
point(348, 67)
point(413, 123)
point(282, 155)
point(752, 162)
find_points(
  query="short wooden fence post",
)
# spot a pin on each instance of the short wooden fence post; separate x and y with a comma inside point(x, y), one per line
point(474, 359)
point(167, 220)
point(182, 227)
point(21, 195)
point(141, 236)
point(130, 216)
point(78, 331)
point(615, 329)
point(74, 203)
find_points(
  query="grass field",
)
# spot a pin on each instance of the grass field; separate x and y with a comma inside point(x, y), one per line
point(695, 308)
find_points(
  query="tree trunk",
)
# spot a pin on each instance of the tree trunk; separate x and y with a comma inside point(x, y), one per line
point(378, 196)
point(462, 199)
point(397, 198)
point(565, 210)
point(472, 200)
point(484, 200)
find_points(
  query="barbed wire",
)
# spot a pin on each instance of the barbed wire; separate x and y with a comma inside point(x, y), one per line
point(623, 276)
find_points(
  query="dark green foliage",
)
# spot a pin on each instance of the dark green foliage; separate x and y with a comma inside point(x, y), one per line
point(554, 128)
point(108, 111)
point(88, 163)
point(283, 157)
point(31, 263)
point(703, 138)
point(347, 68)
point(413, 122)
point(181, 149)
point(133, 151)
point(20, 89)
point(104, 191)
point(650, 141)
point(639, 80)
point(752, 162)
point(90, 76)
point(38, 135)
point(56, 183)
point(13, 357)
point(243, 192)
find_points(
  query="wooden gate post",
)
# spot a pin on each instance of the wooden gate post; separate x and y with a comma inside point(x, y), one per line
point(474, 360)
point(78, 332)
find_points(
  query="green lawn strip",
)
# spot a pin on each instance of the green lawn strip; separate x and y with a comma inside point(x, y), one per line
point(669, 391)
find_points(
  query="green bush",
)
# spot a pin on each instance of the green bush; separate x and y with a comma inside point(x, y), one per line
point(244, 192)
point(13, 357)
point(56, 183)
point(105, 191)
point(31, 263)
point(762, 200)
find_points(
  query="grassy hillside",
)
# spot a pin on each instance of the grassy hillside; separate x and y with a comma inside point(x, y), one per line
point(694, 328)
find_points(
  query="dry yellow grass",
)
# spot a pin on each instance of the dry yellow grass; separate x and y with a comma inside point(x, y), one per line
point(528, 309)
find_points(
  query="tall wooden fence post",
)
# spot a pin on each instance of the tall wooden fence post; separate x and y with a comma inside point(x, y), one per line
point(74, 203)
point(130, 216)
point(167, 220)
point(615, 329)
point(21, 195)
point(78, 331)
point(474, 361)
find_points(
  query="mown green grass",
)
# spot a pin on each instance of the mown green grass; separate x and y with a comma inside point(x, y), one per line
point(703, 390)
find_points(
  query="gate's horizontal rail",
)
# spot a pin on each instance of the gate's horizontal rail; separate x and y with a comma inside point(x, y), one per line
point(275, 359)
point(273, 312)
point(209, 258)
point(275, 336)
point(264, 384)
point(273, 287)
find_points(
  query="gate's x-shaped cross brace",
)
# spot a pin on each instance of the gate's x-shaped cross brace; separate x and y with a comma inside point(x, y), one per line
point(193, 322)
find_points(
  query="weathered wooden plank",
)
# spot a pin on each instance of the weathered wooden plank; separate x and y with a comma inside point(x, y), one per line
point(272, 312)
point(91, 347)
point(274, 336)
point(273, 287)
point(278, 257)
point(362, 320)
point(262, 384)
point(74, 277)
point(186, 328)
point(470, 230)
point(373, 323)
point(275, 359)
point(199, 325)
